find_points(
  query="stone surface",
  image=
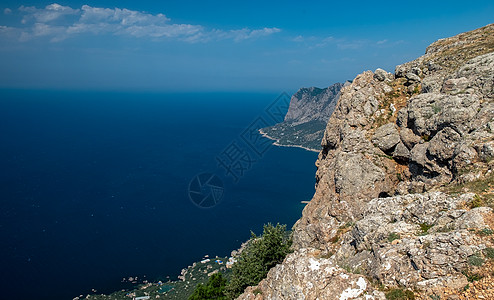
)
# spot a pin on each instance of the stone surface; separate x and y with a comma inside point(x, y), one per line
point(376, 212)
point(382, 75)
point(304, 275)
point(386, 137)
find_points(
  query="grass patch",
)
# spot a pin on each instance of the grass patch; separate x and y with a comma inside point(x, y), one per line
point(475, 260)
point(400, 294)
point(257, 291)
point(424, 227)
point(489, 252)
point(485, 231)
point(471, 277)
point(393, 236)
point(476, 202)
point(482, 187)
point(447, 228)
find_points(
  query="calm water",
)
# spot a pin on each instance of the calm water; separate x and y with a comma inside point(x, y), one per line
point(94, 186)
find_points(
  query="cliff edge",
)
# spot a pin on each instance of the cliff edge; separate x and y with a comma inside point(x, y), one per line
point(404, 186)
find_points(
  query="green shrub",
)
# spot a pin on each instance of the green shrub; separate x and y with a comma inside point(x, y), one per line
point(424, 227)
point(489, 252)
point(214, 289)
point(400, 294)
point(485, 231)
point(476, 202)
point(475, 260)
point(261, 254)
point(393, 236)
point(471, 277)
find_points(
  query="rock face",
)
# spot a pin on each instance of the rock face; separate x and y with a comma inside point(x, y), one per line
point(312, 103)
point(394, 150)
point(307, 116)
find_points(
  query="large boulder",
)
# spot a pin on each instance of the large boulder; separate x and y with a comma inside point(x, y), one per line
point(386, 137)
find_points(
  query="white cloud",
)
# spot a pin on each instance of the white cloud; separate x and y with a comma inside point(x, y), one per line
point(52, 12)
point(7, 11)
point(61, 22)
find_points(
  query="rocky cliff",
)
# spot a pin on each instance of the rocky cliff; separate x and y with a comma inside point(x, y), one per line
point(404, 193)
point(306, 119)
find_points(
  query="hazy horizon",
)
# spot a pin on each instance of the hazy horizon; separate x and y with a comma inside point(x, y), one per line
point(216, 46)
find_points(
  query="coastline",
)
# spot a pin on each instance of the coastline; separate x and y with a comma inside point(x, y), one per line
point(276, 142)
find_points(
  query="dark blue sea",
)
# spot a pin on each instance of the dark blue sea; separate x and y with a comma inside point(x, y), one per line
point(96, 186)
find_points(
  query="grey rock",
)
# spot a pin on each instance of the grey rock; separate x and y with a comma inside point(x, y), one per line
point(428, 113)
point(448, 131)
point(480, 74)
point(356, 175)
point(463, 157)
point(432, 84)
point(402, 118)
point(401, 152)
point(386, 137)
point(455, 86)
point(381, 75)
point(412, 77)
point(409, 138)
point(305, 276)
point(443, 145)
point(487, 151)
point(425, 169)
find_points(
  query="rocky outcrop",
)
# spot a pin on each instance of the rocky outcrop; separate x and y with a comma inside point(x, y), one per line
point(394, 150)
point(306, 119)
point(306, 275)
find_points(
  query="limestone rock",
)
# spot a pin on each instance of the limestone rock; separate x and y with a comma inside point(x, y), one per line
point(362, 221)
point(409, 138)
point(428, 113)
point(306, 276)
point(386, 137)
point(381, 75)
point(401, 152)
point(443, 145)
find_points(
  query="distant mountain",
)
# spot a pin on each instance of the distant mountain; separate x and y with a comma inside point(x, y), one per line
point(306, 119)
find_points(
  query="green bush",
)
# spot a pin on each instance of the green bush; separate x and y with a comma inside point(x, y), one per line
point(485, 231)
point(261, 254)
point(400, 294)
point(393, 236)
point(475, 260)
point(424, 228)
point(471, 277)
point(214, 289)
point(489, 252)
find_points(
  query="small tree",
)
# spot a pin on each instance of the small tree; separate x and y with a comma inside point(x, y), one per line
point(261, 254)
point(214, 289)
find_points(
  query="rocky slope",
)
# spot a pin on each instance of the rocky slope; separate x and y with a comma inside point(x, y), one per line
point(306, 119)
point(403, 200)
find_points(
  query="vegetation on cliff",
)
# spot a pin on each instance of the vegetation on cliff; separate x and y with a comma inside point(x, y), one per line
point(260, 255)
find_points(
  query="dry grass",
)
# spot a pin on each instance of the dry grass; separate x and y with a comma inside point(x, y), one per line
point(453, 52)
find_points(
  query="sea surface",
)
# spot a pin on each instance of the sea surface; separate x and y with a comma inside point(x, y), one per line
point(96, 186)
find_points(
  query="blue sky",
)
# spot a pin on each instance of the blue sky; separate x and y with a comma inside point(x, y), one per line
point(217, 45)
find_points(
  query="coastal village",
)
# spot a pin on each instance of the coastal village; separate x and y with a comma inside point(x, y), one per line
point(182, 288)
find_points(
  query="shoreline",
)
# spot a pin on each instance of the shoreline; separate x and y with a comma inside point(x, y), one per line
point(276, 142)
